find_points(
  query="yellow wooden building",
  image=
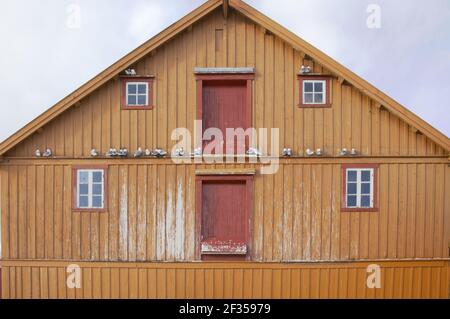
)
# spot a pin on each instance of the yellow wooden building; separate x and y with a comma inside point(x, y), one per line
point(368, 182)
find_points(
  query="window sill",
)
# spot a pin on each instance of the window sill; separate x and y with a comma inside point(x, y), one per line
point(357, 209)
point(89, 210)
point(314, 105)
point(141, 108)
point(217, 247)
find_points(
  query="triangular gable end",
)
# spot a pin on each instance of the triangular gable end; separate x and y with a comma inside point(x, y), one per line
point(258, 18)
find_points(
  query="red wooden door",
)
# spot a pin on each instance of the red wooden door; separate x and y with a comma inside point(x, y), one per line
point(224, 211)
point(224, 205)
point(224, 105)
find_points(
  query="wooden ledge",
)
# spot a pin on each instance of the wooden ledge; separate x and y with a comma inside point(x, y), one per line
point(241, 70)
point(224, 171)
point(217, 247)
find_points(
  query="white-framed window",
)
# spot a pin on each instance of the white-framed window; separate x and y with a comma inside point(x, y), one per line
point(90, 189)
point(314, 91)
point(137, 93)
point(359, 188)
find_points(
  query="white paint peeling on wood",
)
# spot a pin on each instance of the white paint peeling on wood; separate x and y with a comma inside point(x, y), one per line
point(287, 215)
point(316, 215)
point(190, 216)
point(142, 222)
point(151, 220)
point(335, 215)
point(160, 222)
point(170, 225)
point(258, 215)
point(326, 214)
point(123, 221)
point(132, 218)
point(306, 222)
point(180, 221)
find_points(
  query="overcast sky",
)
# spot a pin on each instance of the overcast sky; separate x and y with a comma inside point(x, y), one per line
point(44, 55)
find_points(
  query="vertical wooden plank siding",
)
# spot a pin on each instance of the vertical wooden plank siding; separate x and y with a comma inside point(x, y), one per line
point(218, 280)
point(296, 214)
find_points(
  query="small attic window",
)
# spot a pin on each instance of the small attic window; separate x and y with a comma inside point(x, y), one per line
point(314, 91)
point(137, 93)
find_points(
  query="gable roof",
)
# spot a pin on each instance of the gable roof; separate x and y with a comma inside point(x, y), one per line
point(260, 19)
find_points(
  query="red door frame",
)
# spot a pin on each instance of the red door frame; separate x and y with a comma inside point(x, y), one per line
point(248, 179)
point(248, 78)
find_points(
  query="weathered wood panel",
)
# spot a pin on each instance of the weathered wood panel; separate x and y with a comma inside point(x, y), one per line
point(353, 121)
point(47, 280)
point(296, 214)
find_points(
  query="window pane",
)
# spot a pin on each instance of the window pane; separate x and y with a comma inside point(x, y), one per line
point(351, 176)
point(308, 98)
point(308, 87)
point(97, 189)
point(97, 202)
point(83, 202)
point(97, 177)
point(83, 178)
point(142, 100)
point(365, 201)
point(351, 201)
point(365, 176)
point(365, 188)
point(351, 188)
point(318, 98)
point(131, 100)
point(131, 88)
point(318, 87)
point(84, 190)
point(142, 89)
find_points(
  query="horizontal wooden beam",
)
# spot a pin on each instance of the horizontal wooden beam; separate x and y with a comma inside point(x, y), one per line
point(238, 161)
point(228, 265)
point(226, 171)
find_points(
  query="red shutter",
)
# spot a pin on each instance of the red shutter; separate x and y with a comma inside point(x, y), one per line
point(224, 216)
point(224, 105)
